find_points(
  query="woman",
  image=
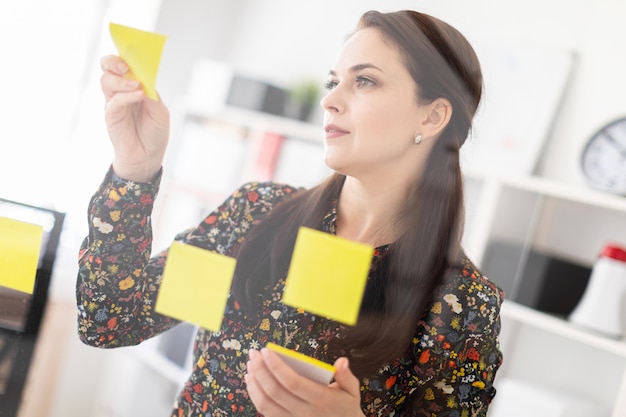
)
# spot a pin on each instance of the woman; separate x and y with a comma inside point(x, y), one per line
point(401, 99)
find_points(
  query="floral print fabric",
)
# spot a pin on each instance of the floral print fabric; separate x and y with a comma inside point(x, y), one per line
point(447, 370)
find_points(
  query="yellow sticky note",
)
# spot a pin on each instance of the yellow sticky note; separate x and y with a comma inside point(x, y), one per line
point(20, 243)
point(141, 50)
point(195, 285)
point(327, 275)
point(312, 368)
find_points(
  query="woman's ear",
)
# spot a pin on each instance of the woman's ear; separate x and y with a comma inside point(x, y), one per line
point(438, 114)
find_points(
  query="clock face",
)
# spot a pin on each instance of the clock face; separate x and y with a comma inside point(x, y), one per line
point(604, 158)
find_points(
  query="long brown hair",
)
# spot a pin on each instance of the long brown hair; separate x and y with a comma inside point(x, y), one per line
point(400, 290)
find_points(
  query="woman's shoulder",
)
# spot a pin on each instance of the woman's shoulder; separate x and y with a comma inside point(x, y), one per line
point(465, 290)
point(466, 276)
point(234, 218)
point(264, 191)
point(253, 200)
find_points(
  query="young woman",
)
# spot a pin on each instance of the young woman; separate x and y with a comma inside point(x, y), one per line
point(402, 95)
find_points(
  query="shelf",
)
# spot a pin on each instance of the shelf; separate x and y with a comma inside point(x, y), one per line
point(561, 327)
point(554, 189)
point(266, 122)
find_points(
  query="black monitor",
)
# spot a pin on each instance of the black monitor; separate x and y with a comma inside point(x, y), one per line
point(21, 313)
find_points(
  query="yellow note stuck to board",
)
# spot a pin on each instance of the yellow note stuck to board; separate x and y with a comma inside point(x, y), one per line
point(141, 50)
point(195, 285)
point(20, 243)
point(327, 275)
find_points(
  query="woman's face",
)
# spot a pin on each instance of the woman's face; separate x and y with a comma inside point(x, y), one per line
point(372, 112)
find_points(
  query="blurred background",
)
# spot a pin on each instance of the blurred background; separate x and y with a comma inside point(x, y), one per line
point(554, 75)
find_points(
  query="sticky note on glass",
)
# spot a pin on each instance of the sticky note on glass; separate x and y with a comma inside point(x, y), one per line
point(195, 285)
point(20, 243)
point(327, 275)
point(307, 366)
point(141, 50)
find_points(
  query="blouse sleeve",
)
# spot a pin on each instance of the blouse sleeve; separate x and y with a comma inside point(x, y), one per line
point(118, 280)
point(459, 351)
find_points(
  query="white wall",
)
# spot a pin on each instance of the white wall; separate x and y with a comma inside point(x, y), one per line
point(43, 48)
point(195, 29)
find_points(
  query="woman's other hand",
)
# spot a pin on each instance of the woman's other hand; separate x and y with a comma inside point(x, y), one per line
point(138, 126)
point(278, 391)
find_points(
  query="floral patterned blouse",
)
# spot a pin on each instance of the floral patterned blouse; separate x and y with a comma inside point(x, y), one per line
point(447, 370)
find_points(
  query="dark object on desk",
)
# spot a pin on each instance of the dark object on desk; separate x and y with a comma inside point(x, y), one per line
point(21, 314)
point(544, 282)
point(256, 95)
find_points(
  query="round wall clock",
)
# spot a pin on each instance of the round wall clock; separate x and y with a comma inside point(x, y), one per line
point(603, 160)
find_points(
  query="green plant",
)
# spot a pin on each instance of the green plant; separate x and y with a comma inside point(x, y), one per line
point(305, 92)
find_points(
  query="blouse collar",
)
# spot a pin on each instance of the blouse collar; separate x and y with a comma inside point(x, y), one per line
point(329, 225)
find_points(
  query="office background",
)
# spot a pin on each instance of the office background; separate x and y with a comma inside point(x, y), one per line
point(54, 150)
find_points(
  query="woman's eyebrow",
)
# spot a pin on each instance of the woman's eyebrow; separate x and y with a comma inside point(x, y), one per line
point(358, 67)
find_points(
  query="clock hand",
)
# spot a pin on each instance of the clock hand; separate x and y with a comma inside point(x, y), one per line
point(619, 146)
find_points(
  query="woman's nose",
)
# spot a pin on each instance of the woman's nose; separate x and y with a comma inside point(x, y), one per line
point(331, 102)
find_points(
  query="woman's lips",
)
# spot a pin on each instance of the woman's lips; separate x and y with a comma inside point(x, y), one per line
point(334, 131)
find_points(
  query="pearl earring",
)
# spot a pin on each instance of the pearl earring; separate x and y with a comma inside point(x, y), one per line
point(418, 139)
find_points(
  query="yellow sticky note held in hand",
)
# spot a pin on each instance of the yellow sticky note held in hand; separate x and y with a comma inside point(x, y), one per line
point(195, 285)
point(20, 244)
point(312, 368)
point(141, 50)
point(327, 275)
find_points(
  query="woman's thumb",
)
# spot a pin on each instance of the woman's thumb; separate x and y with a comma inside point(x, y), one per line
point(344, 377)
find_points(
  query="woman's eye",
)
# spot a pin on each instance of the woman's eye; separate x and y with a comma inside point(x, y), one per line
point(360, 82)
point(364, 82)
point(329, 85)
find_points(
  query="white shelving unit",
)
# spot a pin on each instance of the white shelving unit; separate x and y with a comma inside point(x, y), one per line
point(550, 353)
point(570, 223)
point(562, 219)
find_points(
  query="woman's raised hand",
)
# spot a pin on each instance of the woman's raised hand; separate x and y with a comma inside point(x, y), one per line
point(138, 126)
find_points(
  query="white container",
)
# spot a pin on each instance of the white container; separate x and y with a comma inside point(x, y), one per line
point(601, 305)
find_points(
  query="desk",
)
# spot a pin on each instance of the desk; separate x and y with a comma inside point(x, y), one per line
point(40, 388)
point(21, 314)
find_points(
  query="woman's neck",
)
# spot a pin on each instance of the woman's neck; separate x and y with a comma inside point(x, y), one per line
point(368, 212)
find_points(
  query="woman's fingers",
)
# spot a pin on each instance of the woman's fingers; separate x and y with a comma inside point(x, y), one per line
point(277, 388)
point(257, 386)
point(279, 391)
point(273, 382)
point(113, 80)
point(119, 91)
point(112, 84)
point(261, 399)
point(113, 64)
